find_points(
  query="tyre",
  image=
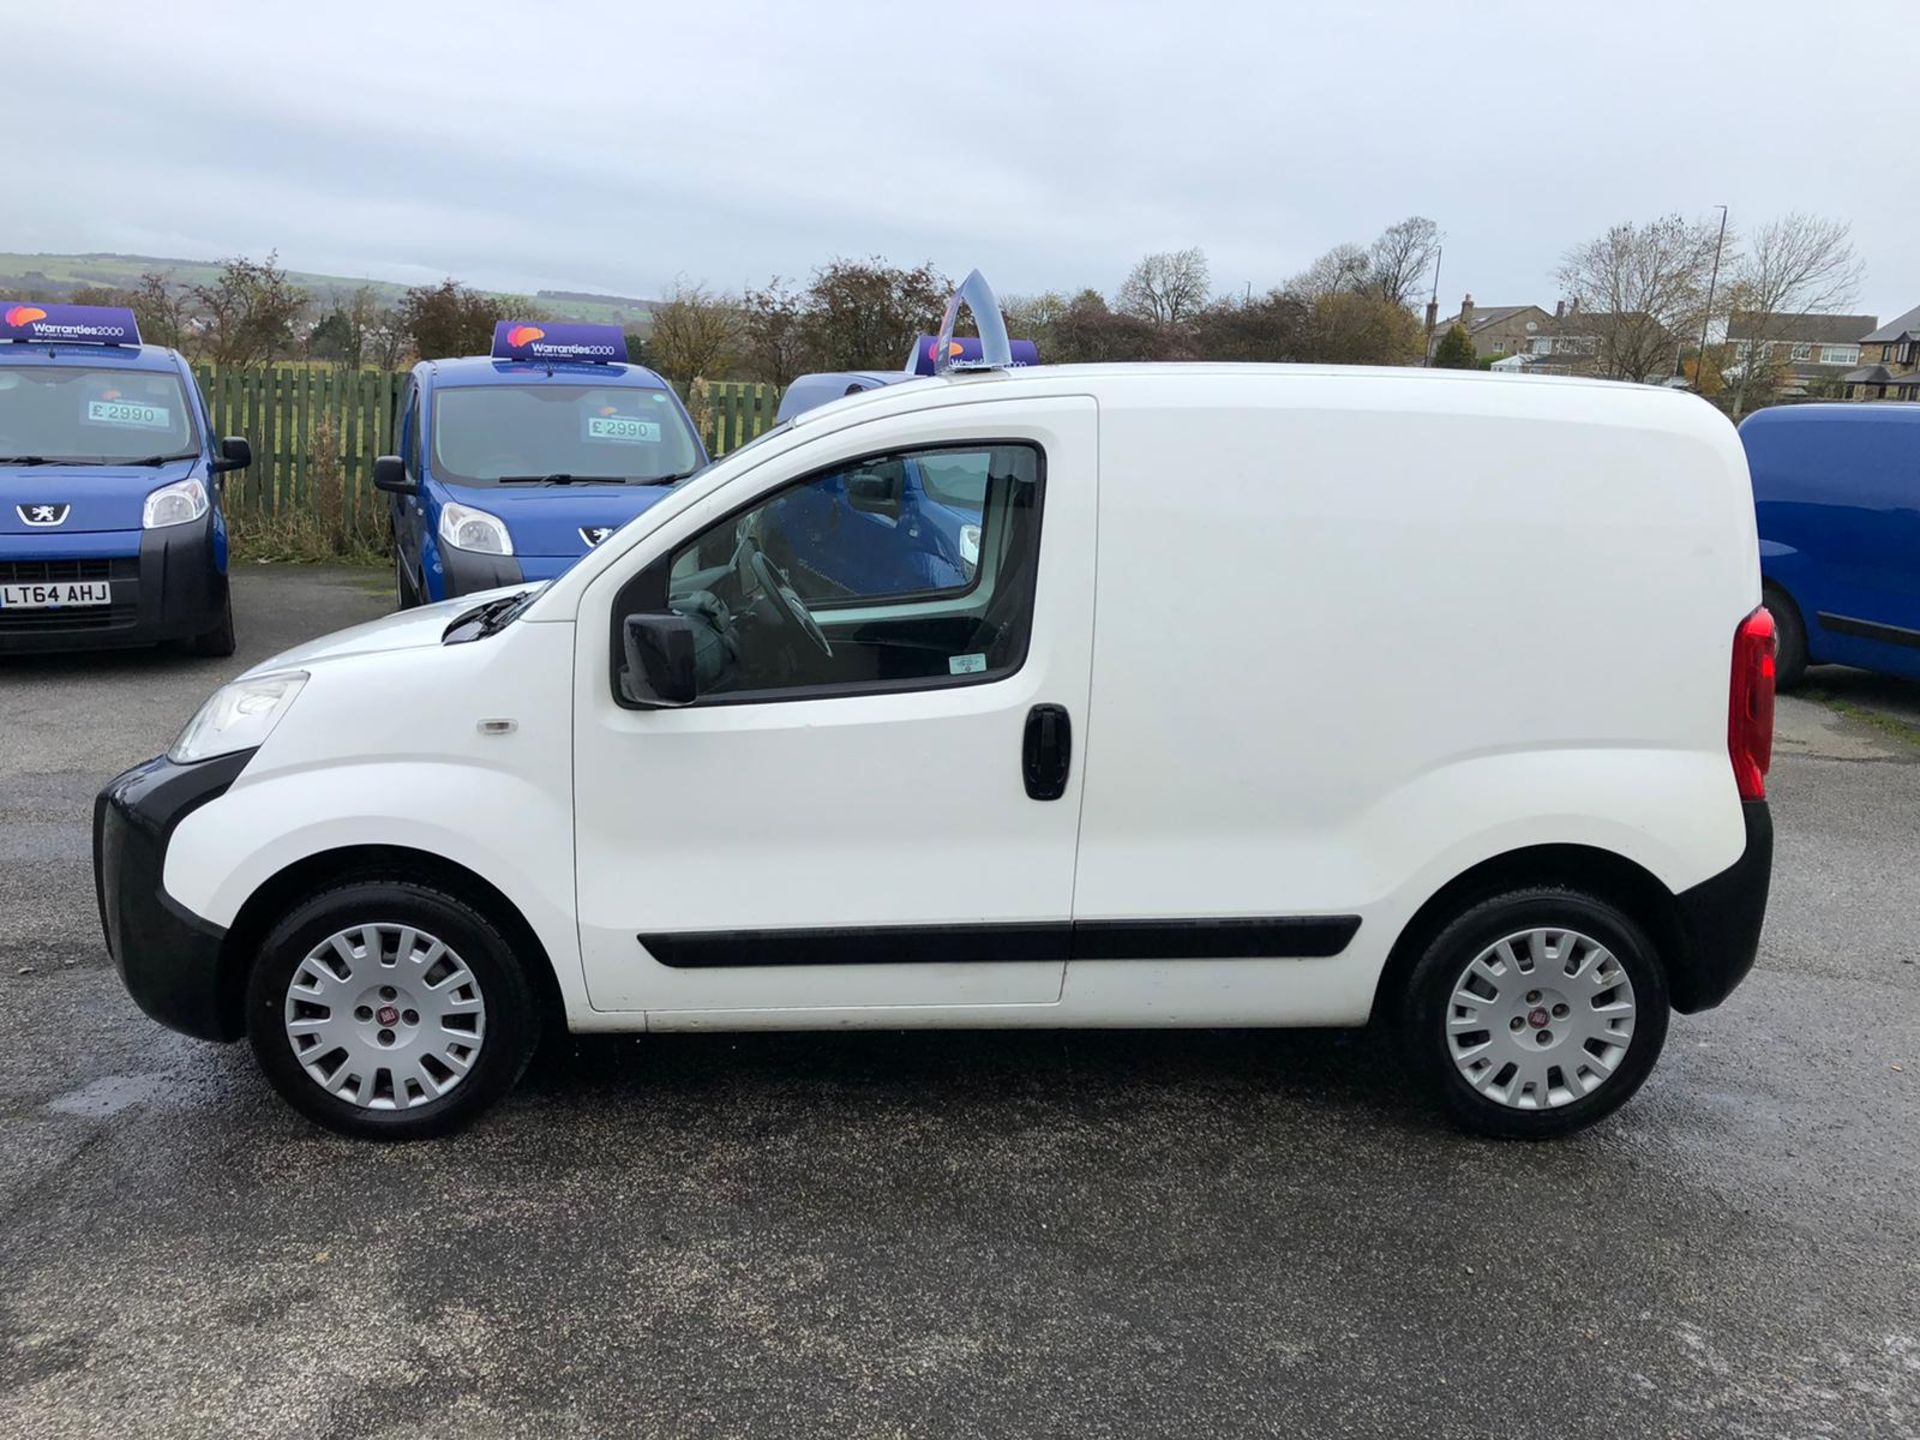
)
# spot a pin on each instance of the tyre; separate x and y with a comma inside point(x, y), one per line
point(1789, 638)
point(218, 642)
point(391, 1010)
point(1535, 1013)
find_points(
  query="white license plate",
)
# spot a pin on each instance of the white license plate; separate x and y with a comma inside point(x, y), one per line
point(56, 596)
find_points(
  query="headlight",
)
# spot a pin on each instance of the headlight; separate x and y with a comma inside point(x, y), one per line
point(970, 545)
point(175, 504)
point(238, 716)
point(466, 528)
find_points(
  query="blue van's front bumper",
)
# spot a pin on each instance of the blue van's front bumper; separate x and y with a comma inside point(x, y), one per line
point(168, 584)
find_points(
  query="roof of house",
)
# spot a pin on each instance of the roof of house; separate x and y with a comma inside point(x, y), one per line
point(1904, 327)
point(1833, 329)
point(1868, 375)
point(1485, 315)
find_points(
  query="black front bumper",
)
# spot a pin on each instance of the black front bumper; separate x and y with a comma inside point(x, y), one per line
point(171, 960)
point(1720, 921)
point(171, 590)
point(463, 572)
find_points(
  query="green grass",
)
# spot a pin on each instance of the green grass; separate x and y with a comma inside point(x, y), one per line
point(1898, 726)
point(300, 537)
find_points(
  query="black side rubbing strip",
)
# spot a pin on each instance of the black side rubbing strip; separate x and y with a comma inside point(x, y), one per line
point(1287, 937)
point(1870, 630)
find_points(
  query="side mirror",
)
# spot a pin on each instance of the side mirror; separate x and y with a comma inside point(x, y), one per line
point(660, 652)
point(390, 474)
point(235, 454)
point(870, 490)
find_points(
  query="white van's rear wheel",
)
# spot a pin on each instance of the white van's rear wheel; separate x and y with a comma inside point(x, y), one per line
point(1536, 1013)
point(388, 1009)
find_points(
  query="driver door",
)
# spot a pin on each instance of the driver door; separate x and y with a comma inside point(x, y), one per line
point(838, 833)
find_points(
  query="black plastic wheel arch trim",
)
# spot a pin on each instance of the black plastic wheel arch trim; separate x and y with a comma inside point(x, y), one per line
point(1286, 937)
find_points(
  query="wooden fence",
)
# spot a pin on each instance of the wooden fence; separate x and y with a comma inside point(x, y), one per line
point(280, 409)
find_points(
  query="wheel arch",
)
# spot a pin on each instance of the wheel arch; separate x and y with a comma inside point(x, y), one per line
point(310, 874)
point(1602, 873)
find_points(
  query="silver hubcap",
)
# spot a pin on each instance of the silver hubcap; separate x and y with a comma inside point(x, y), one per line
point(385, 1017)
point(1540, 1019)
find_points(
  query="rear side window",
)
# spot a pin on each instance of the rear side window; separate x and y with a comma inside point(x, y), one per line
point(901, 570)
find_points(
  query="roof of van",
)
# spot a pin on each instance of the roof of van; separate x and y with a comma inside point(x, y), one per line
point(485, 370)
point(1843, 412)
point(1093, 378)
point(128, 357)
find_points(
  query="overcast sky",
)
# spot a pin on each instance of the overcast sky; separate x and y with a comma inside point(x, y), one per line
point(611, 147)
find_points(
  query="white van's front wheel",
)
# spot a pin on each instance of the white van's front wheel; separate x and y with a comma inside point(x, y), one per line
point(1536, 1013)
point(384, 1008)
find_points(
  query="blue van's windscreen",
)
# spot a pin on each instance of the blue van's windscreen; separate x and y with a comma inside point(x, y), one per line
point(484, 434)
point(88, 416)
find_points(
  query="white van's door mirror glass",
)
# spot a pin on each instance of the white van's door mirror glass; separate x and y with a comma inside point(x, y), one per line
point(662, 654)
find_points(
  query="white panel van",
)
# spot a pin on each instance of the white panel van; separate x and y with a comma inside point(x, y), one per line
point(1194, 695)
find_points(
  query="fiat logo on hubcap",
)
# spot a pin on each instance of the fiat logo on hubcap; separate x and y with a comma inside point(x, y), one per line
point(387, 1015)
point(1536, 1017)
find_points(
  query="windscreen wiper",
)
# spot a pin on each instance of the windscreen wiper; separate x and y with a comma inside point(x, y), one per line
point(561, 477)
point(665, 479)
point(485, 619)
point(24, 460)
point(157, 459)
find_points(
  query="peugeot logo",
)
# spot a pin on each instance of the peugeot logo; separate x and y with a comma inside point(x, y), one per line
point(594, 534)
point(43, 515)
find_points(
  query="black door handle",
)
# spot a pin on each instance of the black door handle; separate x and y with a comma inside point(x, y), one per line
point(1047, 756)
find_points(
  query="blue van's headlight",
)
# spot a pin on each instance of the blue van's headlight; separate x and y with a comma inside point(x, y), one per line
point(466, 528)
point(175, 504)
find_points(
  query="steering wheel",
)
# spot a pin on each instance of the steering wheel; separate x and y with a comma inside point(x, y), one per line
point(773, 584)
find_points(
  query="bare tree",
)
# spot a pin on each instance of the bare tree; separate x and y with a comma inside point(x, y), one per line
point(1034, 317)
point(1796, 265)
point(1342, 270)
point(1400, 260)
point(1166, 290)
point(696, 333)
point(1638, 290)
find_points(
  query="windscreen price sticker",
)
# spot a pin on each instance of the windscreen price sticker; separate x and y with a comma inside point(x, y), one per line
point(129, 412)
point(623, 429)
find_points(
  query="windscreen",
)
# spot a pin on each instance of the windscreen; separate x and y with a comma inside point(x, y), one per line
point(78, 415)
point(484, 434)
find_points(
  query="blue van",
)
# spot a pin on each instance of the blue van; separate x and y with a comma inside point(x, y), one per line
point(513, 465)
point(1836, 489)
point(111, 531)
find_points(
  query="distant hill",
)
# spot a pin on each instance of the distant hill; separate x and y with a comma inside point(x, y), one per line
point(50, 277)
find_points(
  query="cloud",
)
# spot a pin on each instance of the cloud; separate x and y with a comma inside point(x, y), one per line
point(553, 146)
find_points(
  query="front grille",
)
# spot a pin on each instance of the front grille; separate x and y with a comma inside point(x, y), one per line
point(123, 571)
point(49, 572)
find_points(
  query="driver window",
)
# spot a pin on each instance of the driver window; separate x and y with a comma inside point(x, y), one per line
point(898, 570)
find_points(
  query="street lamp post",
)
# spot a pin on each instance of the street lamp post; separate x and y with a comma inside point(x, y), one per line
point(1700, 360)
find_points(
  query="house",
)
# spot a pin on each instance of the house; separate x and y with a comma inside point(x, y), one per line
point(1630, 344)
point(1812, 353)
point(1497, 330)
point(1892, 368)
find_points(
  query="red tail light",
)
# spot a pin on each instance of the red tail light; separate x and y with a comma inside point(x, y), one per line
point(1750, 705)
